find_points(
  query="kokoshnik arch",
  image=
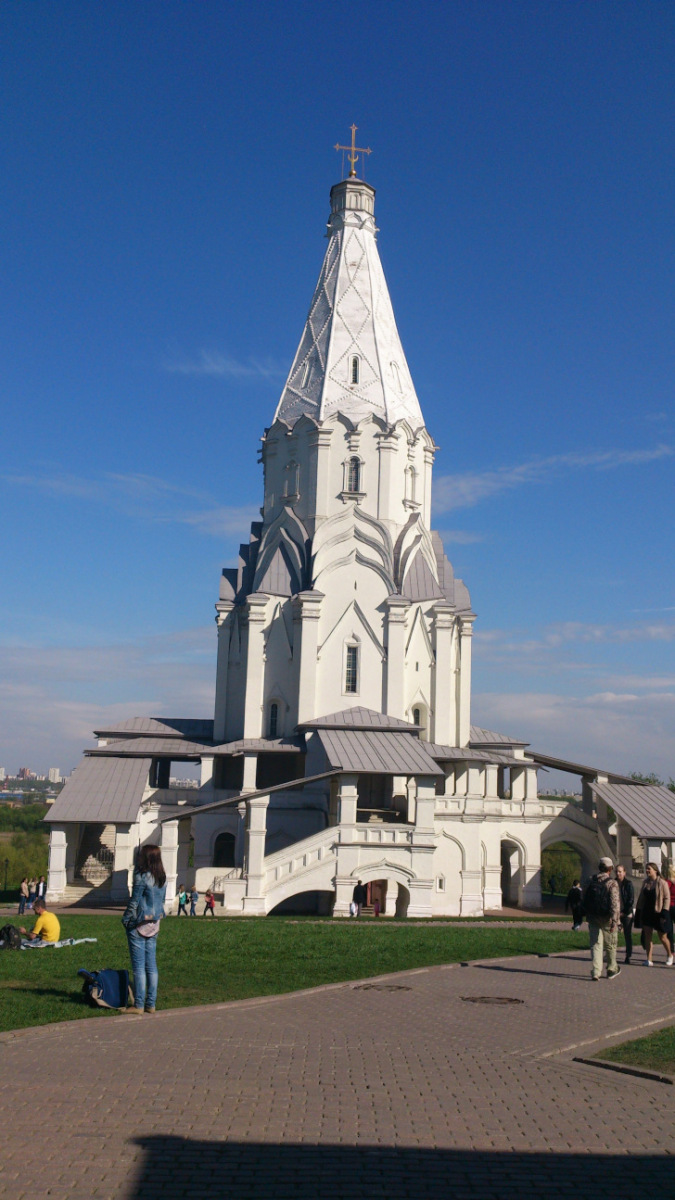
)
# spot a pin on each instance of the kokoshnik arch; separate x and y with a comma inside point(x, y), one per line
point(341, 745)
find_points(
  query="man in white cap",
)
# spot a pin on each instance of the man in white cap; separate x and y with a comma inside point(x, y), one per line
point(602, 906)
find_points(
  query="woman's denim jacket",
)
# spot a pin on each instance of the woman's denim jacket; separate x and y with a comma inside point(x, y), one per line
point(147, 901)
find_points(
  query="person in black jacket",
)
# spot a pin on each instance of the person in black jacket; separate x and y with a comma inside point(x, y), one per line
point(359, 897)
point(627, 895)
point(573, 902)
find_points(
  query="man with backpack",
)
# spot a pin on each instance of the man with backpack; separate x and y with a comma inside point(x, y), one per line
point(602, 905)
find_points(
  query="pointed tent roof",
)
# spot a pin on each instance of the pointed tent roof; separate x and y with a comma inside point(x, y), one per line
point(351, 316)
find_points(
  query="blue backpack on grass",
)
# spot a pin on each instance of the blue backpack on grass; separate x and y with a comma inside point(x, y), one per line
point(108, 988)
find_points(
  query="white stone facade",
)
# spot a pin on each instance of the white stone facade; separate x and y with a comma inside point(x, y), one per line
point(343, 603)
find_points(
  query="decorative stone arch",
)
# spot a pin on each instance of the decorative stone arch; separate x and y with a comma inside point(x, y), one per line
point(462, 851)
point(393, 873)
point(585, 842)
point(513, 856)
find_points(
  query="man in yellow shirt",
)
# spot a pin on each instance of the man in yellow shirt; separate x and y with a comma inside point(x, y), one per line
point(47, 928)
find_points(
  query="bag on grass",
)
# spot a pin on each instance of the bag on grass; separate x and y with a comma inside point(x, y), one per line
point(10, 938)
point(108, 988)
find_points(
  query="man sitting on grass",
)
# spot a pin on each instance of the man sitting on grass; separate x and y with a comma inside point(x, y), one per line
point(47, 928)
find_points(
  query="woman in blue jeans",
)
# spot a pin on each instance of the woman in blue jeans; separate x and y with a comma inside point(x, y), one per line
point(141, 921)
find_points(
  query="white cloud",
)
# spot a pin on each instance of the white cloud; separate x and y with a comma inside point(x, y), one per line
point(468, 489)
point(223, 366)
point(53, 697)
point(147, 497)
point(618, 731)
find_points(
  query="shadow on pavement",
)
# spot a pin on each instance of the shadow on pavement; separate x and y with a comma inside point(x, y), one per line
point(175, 1166)
point(531, 971)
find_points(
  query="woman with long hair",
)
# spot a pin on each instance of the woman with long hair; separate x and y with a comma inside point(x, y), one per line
point(141, 921)
point(654, 908)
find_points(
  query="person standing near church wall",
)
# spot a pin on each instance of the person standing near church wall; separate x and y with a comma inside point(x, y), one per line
point(627, 895)
point(141, 921)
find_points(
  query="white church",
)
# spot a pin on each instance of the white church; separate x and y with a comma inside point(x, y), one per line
point(341, 747)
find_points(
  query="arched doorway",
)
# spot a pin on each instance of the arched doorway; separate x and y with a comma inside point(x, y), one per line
point(377, 897)
point(561, 864)
point(512, 873)
point(223, 850)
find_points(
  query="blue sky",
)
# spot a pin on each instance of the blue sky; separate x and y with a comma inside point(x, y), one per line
point(165, 178)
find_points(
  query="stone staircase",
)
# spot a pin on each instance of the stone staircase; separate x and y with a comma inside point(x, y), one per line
point(82, 894)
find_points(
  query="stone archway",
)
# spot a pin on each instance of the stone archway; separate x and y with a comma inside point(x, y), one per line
point(512, 872)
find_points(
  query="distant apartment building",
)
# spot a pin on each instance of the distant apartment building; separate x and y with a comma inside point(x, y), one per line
point(3, 774)
point(25, 773)
point(54, 774)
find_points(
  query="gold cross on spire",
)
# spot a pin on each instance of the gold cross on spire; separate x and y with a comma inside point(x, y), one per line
point(352, 151)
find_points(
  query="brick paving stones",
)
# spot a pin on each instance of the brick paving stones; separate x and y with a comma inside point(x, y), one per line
point(348, 1092)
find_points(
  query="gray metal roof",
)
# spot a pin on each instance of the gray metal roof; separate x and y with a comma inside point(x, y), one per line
point(650, 811)
point(466, 754)
point(359, 718)
point(419, 583)
point(562, 764)
point(178, 748)
point(102, 789)
point(142, 746)
point(487, 737)
point(173, 727)
point(377, 753)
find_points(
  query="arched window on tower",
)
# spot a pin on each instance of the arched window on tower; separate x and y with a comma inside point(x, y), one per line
point(354, 475)
point(354, 369)
point(273, 723)
point(419, 716)
point(351, 670)
point(306, 371)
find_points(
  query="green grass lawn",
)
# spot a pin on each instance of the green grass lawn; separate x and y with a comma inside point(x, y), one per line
point(203, 961)
point(656, 1052)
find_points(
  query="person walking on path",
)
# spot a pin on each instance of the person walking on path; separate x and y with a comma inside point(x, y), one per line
point(602, 906)
point(654, 908)
point(23, 896)
point(141, 920)
point(671, 886)
point(627, 898)
point(574, 903)
point(32, 892)
point(194, 897)
point(359, 897)
point(182, 902)
point(209, 903)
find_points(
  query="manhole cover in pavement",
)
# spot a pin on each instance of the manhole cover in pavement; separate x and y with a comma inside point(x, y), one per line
point(492, 1000)
point(382, 987)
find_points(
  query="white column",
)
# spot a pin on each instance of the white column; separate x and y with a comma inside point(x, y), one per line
point(444, 682)
point(126, 837)
point(624, 848)
point(56, 876)
point(422, 848)
point(466, 632)
point(347, 804)
point(397, 612)
point(389, 488)
point(250, 769)
point(319, 498)
point(169, 848)
point(256, 606)
point(424, 808)
point(306, 616)
point(224, 610)
point(428, 468)
point(254, 865)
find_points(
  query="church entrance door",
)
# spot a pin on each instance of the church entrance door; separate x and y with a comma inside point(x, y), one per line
point(377, 897)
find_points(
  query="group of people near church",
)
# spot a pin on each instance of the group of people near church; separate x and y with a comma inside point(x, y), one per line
point(608, 904)
point(190, 896)
point(31, 890)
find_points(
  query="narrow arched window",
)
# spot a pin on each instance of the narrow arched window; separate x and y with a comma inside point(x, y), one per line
point(354, 370)
point(352, 670)
point(274, 720)
point(413, 484)
point(416, 716)
point(354, 475)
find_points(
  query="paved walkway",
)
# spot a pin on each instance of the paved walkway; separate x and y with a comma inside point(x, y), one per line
point(405, 1087)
